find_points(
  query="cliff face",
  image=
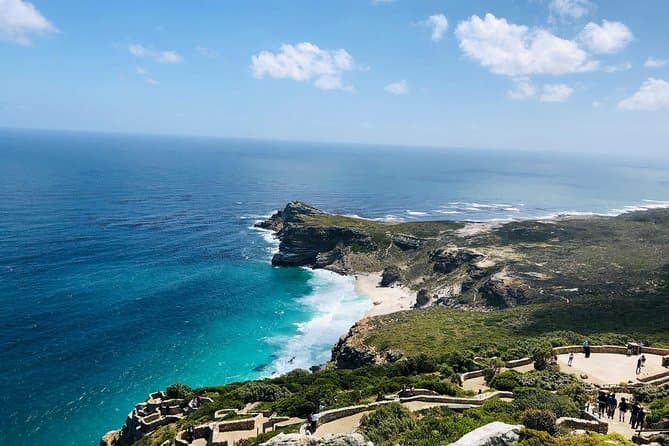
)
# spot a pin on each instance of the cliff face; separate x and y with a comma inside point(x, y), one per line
point(305, 242)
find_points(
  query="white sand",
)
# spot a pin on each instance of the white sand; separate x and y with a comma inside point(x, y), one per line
point(385, 300)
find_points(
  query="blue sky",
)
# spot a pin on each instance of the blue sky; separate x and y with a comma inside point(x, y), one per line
point(572, 75)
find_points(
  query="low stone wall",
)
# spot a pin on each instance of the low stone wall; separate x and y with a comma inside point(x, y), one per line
point(470, 375)
point(655, 351)
point(458, 400)
point(335, 414)
point(614, 349)
point(645, 379)
point(238, 425)
point(579, 423)
point(518, 362)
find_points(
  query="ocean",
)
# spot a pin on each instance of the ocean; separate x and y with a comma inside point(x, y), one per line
point(128, 263)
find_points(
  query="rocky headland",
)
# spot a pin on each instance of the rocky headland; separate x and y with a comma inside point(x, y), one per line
point(478, 267)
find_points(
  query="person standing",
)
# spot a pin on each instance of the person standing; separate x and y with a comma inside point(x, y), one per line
point(638, 366)
point(612, 404)
point(622, 409)
point(635, 413)
point(571, 359)
point(602, 402)
point(586, 348)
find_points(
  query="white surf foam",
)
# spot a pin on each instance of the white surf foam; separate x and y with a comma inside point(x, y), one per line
point(269, 236)
point(336, 307)
point(417, 213)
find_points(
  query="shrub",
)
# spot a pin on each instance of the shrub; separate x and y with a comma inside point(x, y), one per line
point(540, 355)
point(575, 391)
point(541, 420)
point(507, 380)
point(526, 398)
point(179, 390)
point(261, 391)
point(650, 393)
point(386, 422)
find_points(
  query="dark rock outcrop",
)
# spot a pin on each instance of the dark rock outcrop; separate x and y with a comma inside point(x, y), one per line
point(448, 260)
point(422, 297)
point(390, 275)
point(500, 294)
point(304, 243)
point(407, 242)
point(350, 354)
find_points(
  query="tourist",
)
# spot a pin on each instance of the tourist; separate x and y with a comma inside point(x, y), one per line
point(643, 360)
point(612, 404)
point(586, 348)
point(603, 402)
point(638, 366)
point(641, 416)
point(312, 423)
point(635, 413)
point(571, 359)
point(190, 432)
point(622, 410)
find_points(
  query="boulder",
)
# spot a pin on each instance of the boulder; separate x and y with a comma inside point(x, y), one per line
point(390, 275)
point(492, 434)
point(407, 242)
point(306, 440)
point(422, 297)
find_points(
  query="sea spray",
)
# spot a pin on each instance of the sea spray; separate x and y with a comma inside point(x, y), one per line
point(336, 307)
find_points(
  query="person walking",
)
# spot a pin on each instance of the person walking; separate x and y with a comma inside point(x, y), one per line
point(635, 413)
point(612, 404)
point(602, 402)
point(622, 409)
point(571, 359)
point(638, 366)
point(640, 418)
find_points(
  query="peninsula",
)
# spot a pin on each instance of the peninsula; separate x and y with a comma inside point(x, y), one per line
point(483, 298)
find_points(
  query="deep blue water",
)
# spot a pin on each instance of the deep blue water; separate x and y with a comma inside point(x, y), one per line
point(128, 262)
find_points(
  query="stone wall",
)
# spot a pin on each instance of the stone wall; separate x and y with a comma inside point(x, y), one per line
point(518, 362)
point(335, 414)
point(648, 378)
point(238, 425)
point(615, 349)
point(579, 423)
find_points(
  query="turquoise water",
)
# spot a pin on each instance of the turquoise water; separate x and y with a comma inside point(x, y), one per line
point(129, 262)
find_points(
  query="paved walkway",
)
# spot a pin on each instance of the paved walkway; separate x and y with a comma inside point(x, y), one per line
point(476, 384)
point(610, 368)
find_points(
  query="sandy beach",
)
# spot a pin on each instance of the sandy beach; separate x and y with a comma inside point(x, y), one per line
point(385, 300)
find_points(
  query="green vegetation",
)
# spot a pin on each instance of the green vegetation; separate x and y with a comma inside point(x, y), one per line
point(659, 410)
point(179, 390)
point(539, 419)
point(387, 422)
point(538, 438)
point(548, 379)
point(649, 392)
point(513, 333)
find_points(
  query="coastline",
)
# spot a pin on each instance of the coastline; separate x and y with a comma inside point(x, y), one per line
point(384, 300)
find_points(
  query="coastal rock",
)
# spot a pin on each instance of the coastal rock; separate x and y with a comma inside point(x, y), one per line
point(353, 439)
point(348, 353)
point(422, 297)
point(305, 242)
point(390, 275)
point(500, 293)
point(492, 434)
point(407, 242)
point(447, 260)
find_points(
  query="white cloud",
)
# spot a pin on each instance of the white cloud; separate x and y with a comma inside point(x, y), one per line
point(568, 10)
point(207, 52)
point(523, 89)
point(439, 25)
point(397, 88)
point(151, 81)
point(304, 62)
point(653, 95)
point(651, 62)
point(609, 37)
point(556, 93)
point(167, 57)
point(516, 50)
point(19, 19)
point(620, 67)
